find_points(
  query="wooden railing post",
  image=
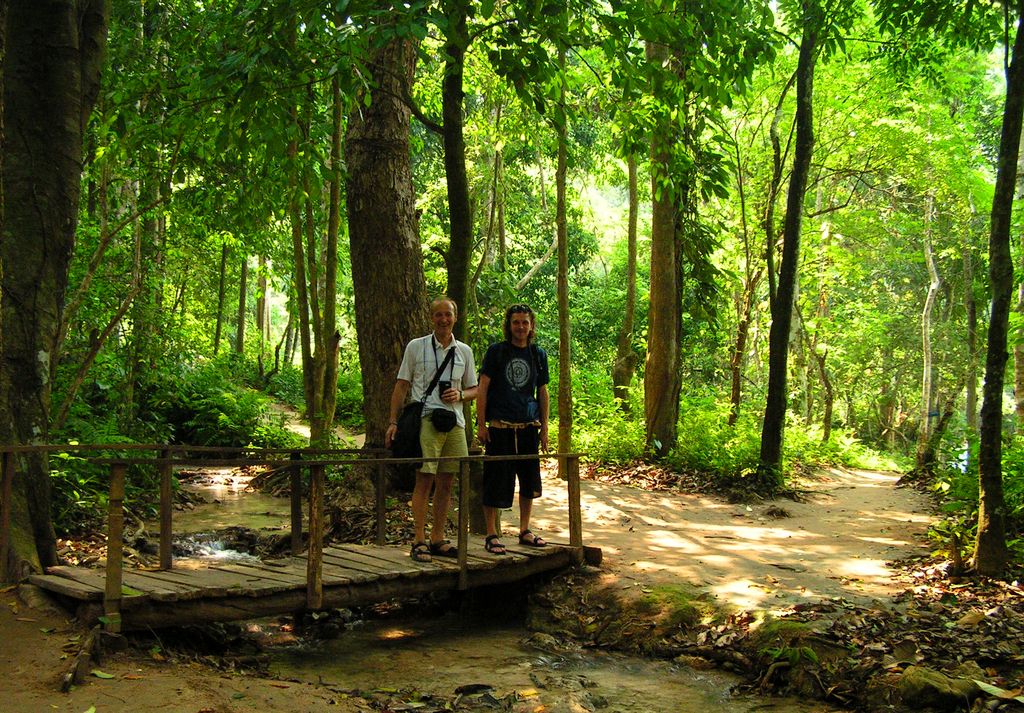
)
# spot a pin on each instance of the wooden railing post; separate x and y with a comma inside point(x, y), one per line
point(315, 552)
point(378, 491)
point(295, 495)
point(571, 467)
point(6, 492)
point(166, 508)
point(463, 538)
point(115, 547)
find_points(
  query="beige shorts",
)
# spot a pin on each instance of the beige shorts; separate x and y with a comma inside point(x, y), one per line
point(436, 445)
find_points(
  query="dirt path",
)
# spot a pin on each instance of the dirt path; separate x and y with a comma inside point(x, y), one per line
point(835, 543)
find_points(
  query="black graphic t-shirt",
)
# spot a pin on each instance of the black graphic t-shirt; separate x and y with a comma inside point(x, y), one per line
point(515, 373)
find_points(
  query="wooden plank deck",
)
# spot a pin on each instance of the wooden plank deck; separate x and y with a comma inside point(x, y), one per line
point(201, 591)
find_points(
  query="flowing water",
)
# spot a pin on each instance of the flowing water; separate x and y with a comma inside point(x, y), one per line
point(413, 660)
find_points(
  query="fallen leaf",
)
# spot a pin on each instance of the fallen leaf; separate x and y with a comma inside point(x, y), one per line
point(971, 618)
point(101, 674)
point(279, 685)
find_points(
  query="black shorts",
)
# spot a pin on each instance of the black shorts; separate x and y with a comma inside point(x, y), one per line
point(500, 476)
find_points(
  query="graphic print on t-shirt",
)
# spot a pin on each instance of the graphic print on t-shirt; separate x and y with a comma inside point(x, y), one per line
point(517, 372)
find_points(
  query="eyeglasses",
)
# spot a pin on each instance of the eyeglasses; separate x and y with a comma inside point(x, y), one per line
point(520, 308)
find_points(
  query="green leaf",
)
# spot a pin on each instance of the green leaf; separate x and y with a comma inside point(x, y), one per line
point(101, 674)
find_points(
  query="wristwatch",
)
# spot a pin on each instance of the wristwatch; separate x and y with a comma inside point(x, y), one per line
point(460, 394)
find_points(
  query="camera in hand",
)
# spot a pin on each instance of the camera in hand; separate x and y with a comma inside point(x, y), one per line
point(443, 386)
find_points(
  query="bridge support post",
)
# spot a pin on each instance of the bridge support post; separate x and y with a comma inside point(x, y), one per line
point(7, 474)
point(463, 539)
point(295, 495)
point(315, 552)
point(571, 467)
point(115, 549)
point(378, 492)
point(166, 508)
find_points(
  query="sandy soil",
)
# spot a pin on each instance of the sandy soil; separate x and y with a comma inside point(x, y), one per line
point(834, 544)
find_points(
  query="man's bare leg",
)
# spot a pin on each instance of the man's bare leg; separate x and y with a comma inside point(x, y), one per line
point(442, 496)
point(420, 497)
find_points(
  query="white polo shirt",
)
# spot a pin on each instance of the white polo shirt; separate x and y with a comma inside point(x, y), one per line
point(419, 364)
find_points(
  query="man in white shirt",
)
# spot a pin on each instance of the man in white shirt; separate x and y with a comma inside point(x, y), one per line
point(457, 383)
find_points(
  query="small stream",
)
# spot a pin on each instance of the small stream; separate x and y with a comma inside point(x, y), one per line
point(494, 665)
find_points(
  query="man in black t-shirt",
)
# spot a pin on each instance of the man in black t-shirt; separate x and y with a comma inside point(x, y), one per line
point(512, 419)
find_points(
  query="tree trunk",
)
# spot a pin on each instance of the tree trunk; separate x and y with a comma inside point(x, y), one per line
point(52, 55)
point(625, 355)
point(971, 306)
point(382, 221)
point(459, 211)
point(221, 297)
point(564, 333)
point(662, 381)
point(990, 555)
point(927, 366)
point(243, 279)
point(769, 475)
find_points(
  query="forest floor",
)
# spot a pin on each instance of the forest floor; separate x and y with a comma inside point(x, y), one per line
point(847, 564)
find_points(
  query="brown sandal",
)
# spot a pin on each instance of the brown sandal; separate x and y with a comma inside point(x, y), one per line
point(420, 552)
point(494, 546)
point(531, 540)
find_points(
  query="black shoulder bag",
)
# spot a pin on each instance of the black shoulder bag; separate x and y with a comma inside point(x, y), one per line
point(406, 443)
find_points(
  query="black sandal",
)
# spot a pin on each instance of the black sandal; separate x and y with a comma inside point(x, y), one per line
point(420, 552)
point(492, 545)
point(444, 549)
point(531, 540)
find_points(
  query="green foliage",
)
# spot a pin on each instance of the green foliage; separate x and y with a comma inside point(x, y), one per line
point(349, 409)
point(600, 428)
point(286, 385)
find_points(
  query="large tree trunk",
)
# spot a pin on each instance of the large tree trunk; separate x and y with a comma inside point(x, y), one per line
point(625, 355)
point(990, 555)
point(769, 475)
point(52, 54)
point(459, 211)
point(662, 381)
point(382, 221)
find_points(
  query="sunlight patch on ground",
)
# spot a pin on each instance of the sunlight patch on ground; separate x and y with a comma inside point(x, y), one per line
point(863, 568)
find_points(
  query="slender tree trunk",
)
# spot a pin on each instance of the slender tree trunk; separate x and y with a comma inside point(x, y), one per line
point(751, 279)
point(927, 366)
point(971, 306)
point(221, 297)
point(243, 279)
point(770, 469)
point(564, 332)
point(459, 210)
point(51, 60)
point(662, 381)
point(990, 555)
point(382, 220)
point(625, 355)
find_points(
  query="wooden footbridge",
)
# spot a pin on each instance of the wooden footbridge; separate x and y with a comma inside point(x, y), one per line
point(312, 577)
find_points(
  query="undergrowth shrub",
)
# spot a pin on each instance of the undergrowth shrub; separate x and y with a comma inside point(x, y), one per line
point(601, 429)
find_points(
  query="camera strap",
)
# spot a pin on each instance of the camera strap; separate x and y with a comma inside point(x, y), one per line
point(448, 359)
